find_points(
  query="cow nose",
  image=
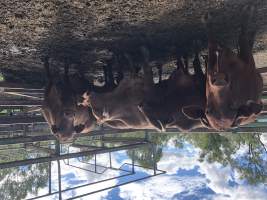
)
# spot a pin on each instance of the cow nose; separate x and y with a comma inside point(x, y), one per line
point(54, 129)
point(210, 110)
point(79, 128)
point(219, 79)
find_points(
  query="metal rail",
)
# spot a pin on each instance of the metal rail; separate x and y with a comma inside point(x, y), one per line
point(8, 120)
point(130, 173)
point(67, 156)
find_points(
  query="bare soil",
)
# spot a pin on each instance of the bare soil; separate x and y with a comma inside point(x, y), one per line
point(86, 33)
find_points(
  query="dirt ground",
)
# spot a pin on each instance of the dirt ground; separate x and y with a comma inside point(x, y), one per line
point(86, 33)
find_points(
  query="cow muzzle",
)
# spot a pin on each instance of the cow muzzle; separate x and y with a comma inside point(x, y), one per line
point(219, 79)
point(64, 138)
point(54, 129)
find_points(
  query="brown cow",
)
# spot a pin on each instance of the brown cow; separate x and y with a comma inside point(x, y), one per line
point(60, 108)
point(121, 108)
point(233, 85)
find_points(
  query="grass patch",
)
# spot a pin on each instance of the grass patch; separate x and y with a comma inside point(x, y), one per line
point(1, 77)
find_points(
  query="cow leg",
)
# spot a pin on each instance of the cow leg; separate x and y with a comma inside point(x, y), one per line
point(81, 69)
point(150, 97)
point(120, 68)
point(246, 39)
point(66, 72)
point(148, 73)
point(46, 67)
point(184, 65)
point(199, 74)
point(213, 46)
point(159, 67)
point(129, 59)
point(49, 77)
point(180, 65)
point(120, 74)
point(66, 69)
point(110, 77)
point(205, 58)
point(197, 68)
point(105, 74)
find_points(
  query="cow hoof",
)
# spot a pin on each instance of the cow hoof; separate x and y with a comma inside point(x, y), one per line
point(80, 100)
point(85, 99)
point(207, 18)
point(105, 113)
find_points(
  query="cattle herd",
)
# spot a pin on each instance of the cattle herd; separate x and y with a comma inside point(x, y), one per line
point(222, 95)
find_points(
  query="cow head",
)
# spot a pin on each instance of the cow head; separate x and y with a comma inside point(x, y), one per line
point(245, 114)
point(224, 109)
point(60, 110)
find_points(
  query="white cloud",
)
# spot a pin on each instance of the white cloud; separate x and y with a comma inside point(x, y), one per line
point(70, 174)
point(209, 177)
point(263, 138)
point(160, 187)
point(214, 176)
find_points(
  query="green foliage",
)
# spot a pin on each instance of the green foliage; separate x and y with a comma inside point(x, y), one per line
point(222, 148)
point(144, 156)
point(19, 181)
point(215, 147)
point(2, 77)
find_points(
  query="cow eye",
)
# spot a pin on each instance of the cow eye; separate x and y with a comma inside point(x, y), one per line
point(236, 122)
point(79, 128)
point(209, 111)
point(205, 121)
point(68, 113)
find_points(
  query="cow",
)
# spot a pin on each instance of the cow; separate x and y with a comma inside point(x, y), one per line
point(120, 108)
point(180, 90)
point(60, 108)
point(233, 85)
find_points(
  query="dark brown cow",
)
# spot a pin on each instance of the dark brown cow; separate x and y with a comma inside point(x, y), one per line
point(60, 108)
point(172, 95)
point(233, 85)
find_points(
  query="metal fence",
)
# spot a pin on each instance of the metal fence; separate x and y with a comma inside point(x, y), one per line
point(56, 154)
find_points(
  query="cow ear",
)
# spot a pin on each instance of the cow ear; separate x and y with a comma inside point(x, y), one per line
point(193, 112)
point(249, 109)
